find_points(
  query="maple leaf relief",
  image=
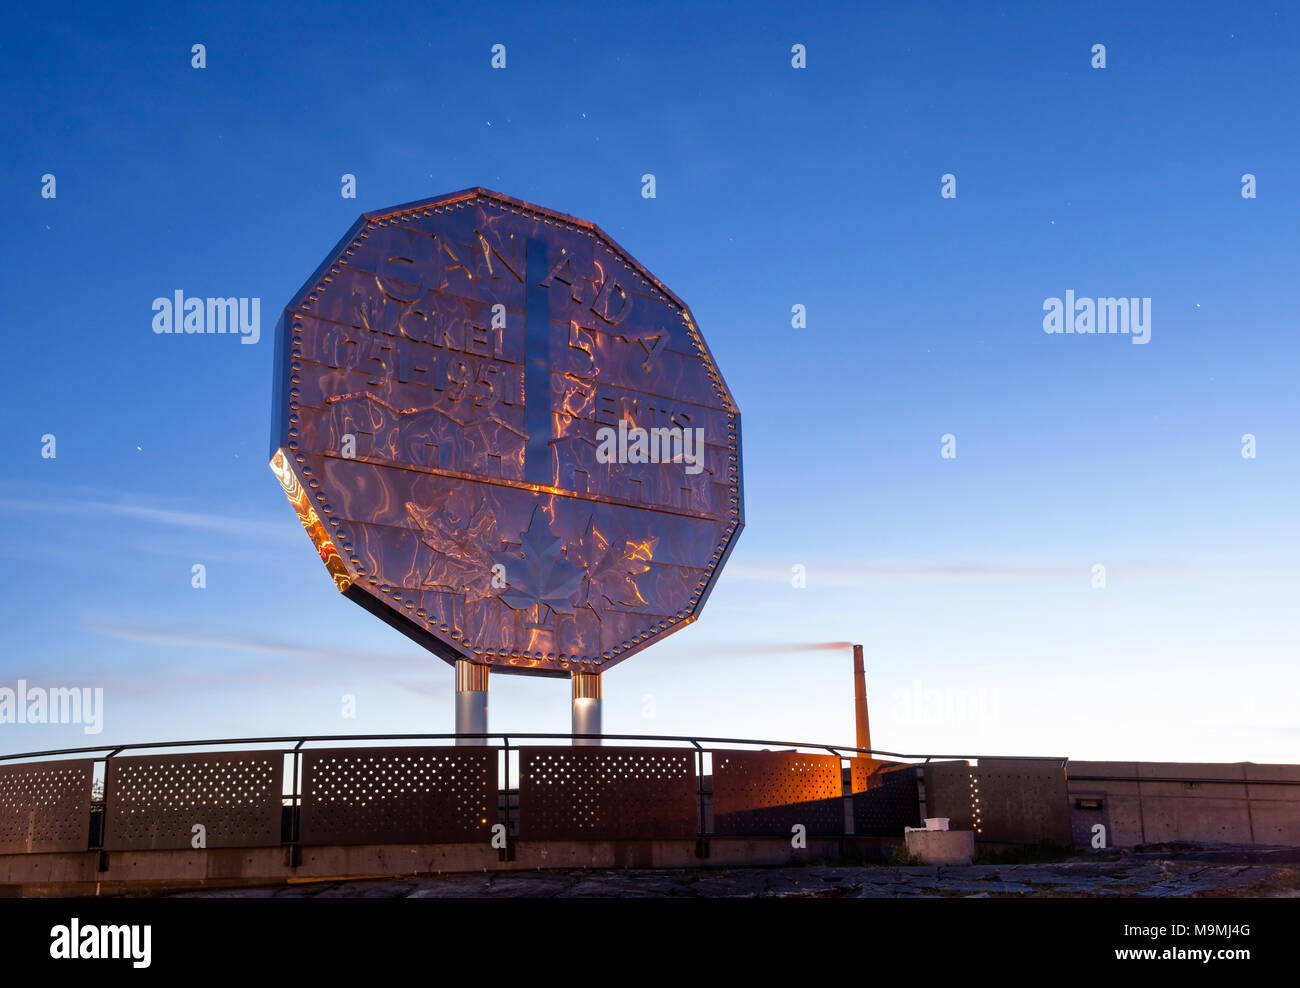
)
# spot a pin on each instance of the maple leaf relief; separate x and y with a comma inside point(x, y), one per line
point(539, 573)
point(457, 530)
point(612, 564)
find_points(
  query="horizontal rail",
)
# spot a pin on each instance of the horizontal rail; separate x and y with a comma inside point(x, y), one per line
point(298, 740)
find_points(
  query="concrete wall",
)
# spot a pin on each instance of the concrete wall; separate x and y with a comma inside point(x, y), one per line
point(1162, 802)
point(77, 873)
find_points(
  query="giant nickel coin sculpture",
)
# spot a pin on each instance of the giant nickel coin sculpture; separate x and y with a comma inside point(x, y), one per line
point(506, 437)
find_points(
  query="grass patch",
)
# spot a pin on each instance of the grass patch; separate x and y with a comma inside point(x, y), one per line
point(1042, 853)
point(901, 857)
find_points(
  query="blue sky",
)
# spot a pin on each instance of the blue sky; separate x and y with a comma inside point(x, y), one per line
point(968, 580)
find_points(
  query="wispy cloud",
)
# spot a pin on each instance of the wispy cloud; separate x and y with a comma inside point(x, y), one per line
point(229, 525)
point(236, 643)
point(770, 648)
point(719, 651)
point(843, 574)
point(283, 661)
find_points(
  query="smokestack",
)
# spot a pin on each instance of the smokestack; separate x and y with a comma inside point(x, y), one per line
point(860, 698)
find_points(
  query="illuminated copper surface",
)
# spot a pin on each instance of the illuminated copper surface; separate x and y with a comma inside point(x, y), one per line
point(464, 351)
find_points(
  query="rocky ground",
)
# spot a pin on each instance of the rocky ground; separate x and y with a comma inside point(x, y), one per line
point(1185, 873)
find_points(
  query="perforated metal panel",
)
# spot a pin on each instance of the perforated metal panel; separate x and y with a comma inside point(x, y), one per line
point(860, 772)
point(765, 793)
point(950, 792)
point(890, 802)
point(45, 806)
point(398, 795)
point(606, 793)
point(1023, 801)
point(155, 801)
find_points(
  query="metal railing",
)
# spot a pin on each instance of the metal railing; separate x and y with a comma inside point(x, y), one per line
point(294, 746)
point(698, 741)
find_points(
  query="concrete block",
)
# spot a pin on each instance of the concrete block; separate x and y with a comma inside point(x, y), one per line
point(941, 847)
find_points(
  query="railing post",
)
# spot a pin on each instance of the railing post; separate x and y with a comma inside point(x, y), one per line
point(701, 838)
point(508, 852)
point(102, 864)
point(846, 798)
point(295, 808)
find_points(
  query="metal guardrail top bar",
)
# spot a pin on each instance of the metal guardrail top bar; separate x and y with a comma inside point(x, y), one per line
point(298, 740)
